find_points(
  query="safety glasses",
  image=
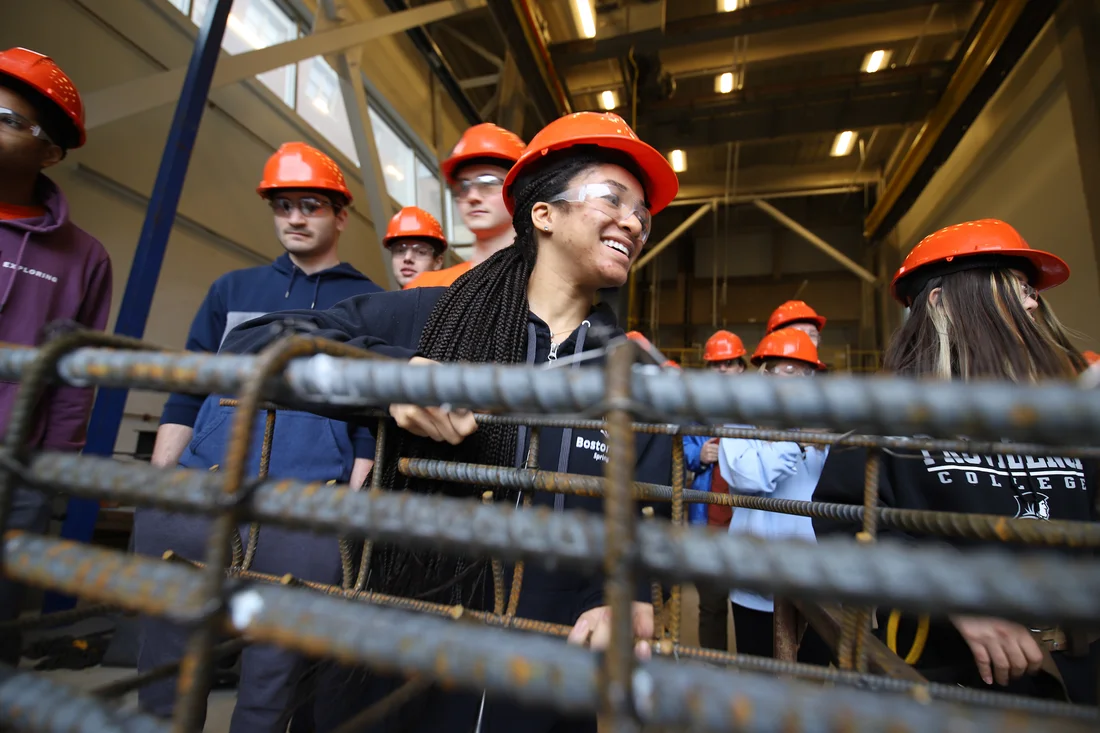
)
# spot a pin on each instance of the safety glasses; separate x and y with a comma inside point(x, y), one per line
point(309, 206)
point(788, 369)
point(484, 186)
point(16, 124)
point(417, 249)
point(605, 198)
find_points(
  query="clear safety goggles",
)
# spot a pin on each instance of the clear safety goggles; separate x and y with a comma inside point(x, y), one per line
point(603, 197)
point(15, 123)
point(307, 205)
point(788, 369)
point(484, 186)
point(421, 250)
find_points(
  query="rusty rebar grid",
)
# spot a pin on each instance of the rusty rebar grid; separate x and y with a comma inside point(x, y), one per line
point(529, 668)
point(852, 649)
point(675, 600)
point(925, 578)
point(1051, 414)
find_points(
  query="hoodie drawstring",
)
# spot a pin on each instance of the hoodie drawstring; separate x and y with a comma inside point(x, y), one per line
point(567, 434)
point(290, 285)
point(316, 292)
point(14, 271)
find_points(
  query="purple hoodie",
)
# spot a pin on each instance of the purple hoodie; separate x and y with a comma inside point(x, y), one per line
point(51, 270)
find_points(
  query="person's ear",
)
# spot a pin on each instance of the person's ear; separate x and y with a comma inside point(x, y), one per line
point(341, 218)
point(51, 156)
point(542, 216)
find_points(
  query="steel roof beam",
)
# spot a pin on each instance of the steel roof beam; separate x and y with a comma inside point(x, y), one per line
point(725, 26)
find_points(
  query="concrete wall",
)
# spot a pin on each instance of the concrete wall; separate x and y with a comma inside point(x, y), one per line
point(1019, 162)
point(101, 43)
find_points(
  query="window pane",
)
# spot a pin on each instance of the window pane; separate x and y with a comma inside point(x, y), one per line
point(396, 159)
point(184, 6)
point(321, 104)
point(428, 191)
point(256, 24)
point(458, 233)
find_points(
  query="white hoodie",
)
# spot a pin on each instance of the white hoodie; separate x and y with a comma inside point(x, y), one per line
point(781, 470)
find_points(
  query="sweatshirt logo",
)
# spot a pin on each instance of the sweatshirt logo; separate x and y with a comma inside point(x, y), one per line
point(1032, 505)
point(598, 447)
point(30, 271)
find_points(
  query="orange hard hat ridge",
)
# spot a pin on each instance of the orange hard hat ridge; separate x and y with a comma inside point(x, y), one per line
point(1091, 357)
point(414, 222)
point(297, 165)
point(45, 77)
point(794, 311)
point(787, 343)
point(483, 141)
point(605, 130)
point(723, 346)
point(987, 237)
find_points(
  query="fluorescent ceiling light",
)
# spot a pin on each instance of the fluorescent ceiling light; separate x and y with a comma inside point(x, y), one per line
point(608, 100)
point(586, 16)
point(393, 172)
point(723, 83)
point(678, 159)
point(876, 60)
point(843, 144)
point(321, 104)
point(725, 6)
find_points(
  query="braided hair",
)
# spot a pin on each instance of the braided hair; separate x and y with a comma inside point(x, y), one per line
point(481, 318)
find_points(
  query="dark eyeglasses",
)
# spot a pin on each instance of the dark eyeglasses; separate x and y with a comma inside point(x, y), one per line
point(309, 206)
point(13, 122)
point(484, 185)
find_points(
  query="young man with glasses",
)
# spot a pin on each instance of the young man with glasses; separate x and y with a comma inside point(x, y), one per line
point(309, 198)
point(51, 269)
point(416, 244)
point(475, 172)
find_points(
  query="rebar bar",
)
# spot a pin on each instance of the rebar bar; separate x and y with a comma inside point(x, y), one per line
point(678, 476)
point(917, 578)
point(1054, 414)
point(528, 668)
point(31, 702)
point(1053, 533)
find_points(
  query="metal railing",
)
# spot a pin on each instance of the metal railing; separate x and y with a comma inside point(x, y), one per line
point(682, 687)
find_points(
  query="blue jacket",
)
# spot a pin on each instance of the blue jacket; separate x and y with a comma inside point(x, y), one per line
point(693, 445)
point(306, 446)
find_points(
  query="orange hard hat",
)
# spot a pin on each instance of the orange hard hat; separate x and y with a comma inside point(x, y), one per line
point(416, 223)
point(670, 364)
point(605, 130)
point(794, 311)
point(297, 165)
point(969, 245)
point(45, 77)
point(637, 336)
point(1091, 357)
point(723, 346)
point(787, 343)
point(483, 141)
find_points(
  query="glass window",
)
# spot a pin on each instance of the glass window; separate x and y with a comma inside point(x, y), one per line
point(321, 104)
point(184, 6)
point(397, 161)
point(256, 24)
point(457, 233)
point(429, 192)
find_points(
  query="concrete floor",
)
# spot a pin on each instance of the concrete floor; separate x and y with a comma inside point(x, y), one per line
point(221, 704)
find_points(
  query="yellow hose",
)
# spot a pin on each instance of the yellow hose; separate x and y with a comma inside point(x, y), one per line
point(918, 641)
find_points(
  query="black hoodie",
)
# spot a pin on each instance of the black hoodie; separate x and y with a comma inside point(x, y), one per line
point(1023, 487)
point(390, 323)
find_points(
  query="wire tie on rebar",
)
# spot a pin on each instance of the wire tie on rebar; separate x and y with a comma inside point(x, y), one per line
point(240, 498)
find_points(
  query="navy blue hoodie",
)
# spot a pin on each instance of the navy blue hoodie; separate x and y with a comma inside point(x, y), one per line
point(391, 324)
point(306, 446)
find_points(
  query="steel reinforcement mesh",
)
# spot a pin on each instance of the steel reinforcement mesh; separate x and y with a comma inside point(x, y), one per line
point(832, 585)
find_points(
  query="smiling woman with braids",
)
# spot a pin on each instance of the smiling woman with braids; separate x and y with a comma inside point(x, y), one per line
point(581, 197)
